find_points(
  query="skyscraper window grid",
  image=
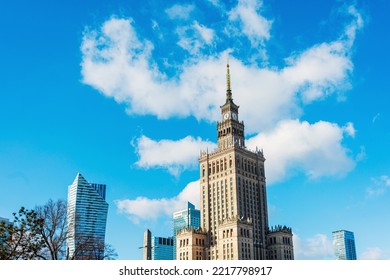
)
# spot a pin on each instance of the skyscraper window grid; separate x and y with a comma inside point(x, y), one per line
point(86, 217)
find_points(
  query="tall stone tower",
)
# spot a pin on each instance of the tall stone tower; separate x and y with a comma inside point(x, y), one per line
point(233, 201)
point(233, 191)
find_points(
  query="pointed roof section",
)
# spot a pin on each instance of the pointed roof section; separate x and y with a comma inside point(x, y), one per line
point(79, 179)
point(229, 95)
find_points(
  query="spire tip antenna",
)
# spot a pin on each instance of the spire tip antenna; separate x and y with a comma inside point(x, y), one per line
point(228, 75)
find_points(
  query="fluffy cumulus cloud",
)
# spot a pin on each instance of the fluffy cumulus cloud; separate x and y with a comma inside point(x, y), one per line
point(119, 63)
point(159, 154)
point(290, 145)
point(319, 70)
point(251, 23)
point(143, 208)
point(317, 247)
point(316, 149)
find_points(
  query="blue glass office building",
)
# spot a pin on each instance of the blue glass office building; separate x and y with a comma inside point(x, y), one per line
point(86, 217)
point(162, 248)
point(187, 218)
point(344, 245)
point(157, 248)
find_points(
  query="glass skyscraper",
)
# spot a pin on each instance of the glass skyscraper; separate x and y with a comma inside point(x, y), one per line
point(157, 248)
point(162, 248)
point(86, 219)
point(187, 218)
point(344, 245)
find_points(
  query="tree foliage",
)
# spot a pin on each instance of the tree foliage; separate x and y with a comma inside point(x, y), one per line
point(22, 239)
point(42, 234)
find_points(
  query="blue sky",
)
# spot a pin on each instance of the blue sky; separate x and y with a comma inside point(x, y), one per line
point(128, 93)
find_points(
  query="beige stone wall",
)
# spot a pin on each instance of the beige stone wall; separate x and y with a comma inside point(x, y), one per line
point(191, 245)
point(233, 186)
point(280, 245)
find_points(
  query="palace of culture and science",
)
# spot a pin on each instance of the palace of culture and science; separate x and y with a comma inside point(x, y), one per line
point(233, 201)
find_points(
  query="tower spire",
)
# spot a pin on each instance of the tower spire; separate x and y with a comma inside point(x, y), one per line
point(228, 91)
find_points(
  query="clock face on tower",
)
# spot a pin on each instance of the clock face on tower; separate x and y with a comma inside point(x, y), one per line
point(234, 116)
point(226, 116)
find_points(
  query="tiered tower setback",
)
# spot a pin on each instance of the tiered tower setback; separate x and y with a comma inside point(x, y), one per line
point(233, 194)
point(233, 199)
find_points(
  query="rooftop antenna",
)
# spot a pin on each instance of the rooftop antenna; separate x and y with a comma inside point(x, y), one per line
point(228, 91)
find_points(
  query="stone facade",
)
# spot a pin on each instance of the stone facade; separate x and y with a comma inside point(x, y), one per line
point(191, 244)
point(280, 244)
point(233, 199)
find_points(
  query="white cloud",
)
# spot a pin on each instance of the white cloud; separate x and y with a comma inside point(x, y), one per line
point(175, 156)
point(325, 67)
point(354, 26)
point(379, 186)
point(215, 3)
point(155, 25)
point(318, 247)
point(319, 71)
point(375, 191)
point(194, 37)
point(362, 154)
point(207, 34)
point(315, 149)
point(119, 64)
point(375, 118)
point(349, 129)
point(143, 208)
point(373, 253)
point(180, 11)
point(252, 24)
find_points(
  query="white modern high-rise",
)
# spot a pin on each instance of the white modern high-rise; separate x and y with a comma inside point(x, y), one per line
point(344, 245)
point(86, 218)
